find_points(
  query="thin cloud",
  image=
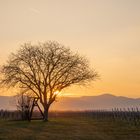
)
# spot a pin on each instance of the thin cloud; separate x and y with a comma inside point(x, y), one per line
point(34, 10)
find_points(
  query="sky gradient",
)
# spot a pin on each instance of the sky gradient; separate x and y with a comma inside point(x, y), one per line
point(107, 32)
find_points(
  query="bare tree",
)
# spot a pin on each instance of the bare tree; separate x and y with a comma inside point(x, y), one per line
point(24, 104)
point(46, 69)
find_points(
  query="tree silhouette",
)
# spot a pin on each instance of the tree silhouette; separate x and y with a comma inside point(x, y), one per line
point(24, 104)
point(46, 69)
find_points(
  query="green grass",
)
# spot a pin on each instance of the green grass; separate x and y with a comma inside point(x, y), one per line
point(68, 129)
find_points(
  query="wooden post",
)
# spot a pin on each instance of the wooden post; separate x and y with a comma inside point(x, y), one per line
point(35, 103)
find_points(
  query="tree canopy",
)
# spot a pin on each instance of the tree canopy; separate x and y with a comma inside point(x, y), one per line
point(45, 69)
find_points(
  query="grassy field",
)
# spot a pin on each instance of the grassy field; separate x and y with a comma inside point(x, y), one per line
point(68, 129)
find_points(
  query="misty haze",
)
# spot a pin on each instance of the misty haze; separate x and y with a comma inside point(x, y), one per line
point(70, 70)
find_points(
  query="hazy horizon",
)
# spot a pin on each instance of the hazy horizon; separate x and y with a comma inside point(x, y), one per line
point(106, 32)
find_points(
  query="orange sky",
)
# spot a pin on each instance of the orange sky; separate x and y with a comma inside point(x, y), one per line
point(106, 31)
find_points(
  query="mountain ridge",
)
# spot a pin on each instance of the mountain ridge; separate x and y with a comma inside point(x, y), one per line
point(103, 101)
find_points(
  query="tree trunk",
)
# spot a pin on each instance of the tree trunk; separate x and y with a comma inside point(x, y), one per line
point(46, 111)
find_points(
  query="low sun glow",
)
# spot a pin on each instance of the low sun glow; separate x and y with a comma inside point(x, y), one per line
point(57, 92)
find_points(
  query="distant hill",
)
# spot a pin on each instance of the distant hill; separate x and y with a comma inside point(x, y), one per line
point(7, 102)
point(105, 101)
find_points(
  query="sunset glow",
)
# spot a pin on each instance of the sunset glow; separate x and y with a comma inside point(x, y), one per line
point(56, 92)
point(107, 32)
